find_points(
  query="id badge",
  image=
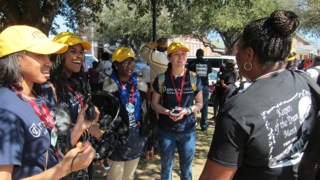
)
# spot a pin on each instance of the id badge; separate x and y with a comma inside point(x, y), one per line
point(130, 108)
point(54, 136)
point(131, 117)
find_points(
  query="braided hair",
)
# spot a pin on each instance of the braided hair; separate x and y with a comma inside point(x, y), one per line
point(271, 37)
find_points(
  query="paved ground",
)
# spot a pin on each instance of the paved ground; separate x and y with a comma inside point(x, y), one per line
point(150, 170)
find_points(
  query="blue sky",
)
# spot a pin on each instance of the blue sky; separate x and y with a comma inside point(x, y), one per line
point(59, 21)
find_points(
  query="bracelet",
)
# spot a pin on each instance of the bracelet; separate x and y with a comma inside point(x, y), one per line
point(189, 110)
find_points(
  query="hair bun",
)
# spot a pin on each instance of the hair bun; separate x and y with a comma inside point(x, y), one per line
point(285, 22)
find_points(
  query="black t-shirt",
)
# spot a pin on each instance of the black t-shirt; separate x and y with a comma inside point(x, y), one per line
point(228, 76)
point(263, 130)
point(202, 68)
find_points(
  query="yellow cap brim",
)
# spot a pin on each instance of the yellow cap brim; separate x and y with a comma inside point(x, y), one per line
point(48, 47)
point(86, 45)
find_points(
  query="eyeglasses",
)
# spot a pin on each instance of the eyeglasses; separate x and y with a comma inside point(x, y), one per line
point(127, 63)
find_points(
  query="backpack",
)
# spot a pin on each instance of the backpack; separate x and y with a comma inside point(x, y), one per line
point(193, 80)
point(310, 162)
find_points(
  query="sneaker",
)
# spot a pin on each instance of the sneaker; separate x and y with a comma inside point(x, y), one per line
point(105, 165)
point(204, 128)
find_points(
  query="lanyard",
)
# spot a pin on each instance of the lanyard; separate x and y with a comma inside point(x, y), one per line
point(131, 97)
point(43, 114)
point(78, 95)
point(178, 96)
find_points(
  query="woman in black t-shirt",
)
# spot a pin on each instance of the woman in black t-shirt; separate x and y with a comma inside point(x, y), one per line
point(261, 133)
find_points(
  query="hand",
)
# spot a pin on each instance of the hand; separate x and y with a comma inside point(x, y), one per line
point(82, 124)
point(179, 116)
point(79, 157)
point(162, 44)
point(149, 154)
point(95, 130)
point(176, 118)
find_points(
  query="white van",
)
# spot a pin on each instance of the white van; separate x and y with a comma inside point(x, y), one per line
point(215, 62)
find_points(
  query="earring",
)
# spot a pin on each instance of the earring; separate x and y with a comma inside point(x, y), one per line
point(245, 66)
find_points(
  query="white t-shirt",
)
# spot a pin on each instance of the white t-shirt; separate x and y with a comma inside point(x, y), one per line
point(157, 60)
point(313, 73)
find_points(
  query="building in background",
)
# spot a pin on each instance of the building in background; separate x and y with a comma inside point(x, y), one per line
point(303, 47)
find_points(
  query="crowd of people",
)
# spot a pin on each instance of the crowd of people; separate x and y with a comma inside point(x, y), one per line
point(51, 128)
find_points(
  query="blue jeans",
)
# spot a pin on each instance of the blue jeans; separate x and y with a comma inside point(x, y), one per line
point(204, 110)
point(185, 143)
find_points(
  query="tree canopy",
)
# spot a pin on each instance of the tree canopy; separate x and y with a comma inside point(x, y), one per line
point(129, 22)
point(226, 20)
point(121, 24)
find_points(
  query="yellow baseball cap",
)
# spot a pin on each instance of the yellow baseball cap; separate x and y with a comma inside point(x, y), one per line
point(71, 39)
point(21, 37)
point(175, 46)
point(121, 54)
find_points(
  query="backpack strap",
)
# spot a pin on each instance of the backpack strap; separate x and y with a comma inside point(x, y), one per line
point(161, 78)
point(193, 80)
point(310, 162)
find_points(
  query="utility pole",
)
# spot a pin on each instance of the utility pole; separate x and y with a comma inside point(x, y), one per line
point(154, 20)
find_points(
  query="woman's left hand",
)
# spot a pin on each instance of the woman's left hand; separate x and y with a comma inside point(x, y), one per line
point(88, 123)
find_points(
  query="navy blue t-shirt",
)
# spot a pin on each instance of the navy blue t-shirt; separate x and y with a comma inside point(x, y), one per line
point(24, 137)
point(170, 102)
